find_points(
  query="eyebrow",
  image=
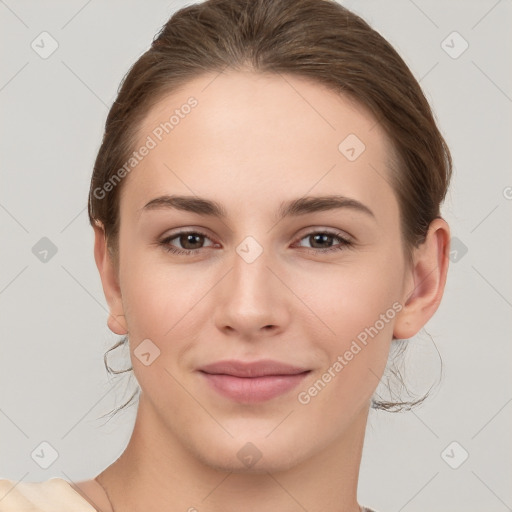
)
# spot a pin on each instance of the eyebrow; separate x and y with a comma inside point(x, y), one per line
point(295, 207)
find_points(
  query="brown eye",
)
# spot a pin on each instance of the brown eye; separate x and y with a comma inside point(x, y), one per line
point(318, 241)
point(190, 242)
point(321, 241)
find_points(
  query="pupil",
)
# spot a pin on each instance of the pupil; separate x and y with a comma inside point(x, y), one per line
point(325, 237)
point(189, 238)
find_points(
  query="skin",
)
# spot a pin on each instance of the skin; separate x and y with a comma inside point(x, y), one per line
point(251, 143)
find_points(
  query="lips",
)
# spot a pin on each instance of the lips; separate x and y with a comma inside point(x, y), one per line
point(251, 382)
point(259, 368)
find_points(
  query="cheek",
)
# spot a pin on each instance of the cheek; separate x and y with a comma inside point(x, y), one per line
point(351, 298)
point(160, 301)
point(357, 311)
point(359, 306)
point(169, 305)
point(159, 306)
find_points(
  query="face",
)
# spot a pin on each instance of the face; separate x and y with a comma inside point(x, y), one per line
point(319, 288)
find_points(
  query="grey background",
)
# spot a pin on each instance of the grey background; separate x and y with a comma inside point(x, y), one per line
point(53, 335)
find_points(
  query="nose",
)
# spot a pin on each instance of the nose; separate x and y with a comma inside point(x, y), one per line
point(251, 301)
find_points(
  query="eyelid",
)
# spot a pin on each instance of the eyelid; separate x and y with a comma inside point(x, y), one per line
point(186, 231)
point(328, 231)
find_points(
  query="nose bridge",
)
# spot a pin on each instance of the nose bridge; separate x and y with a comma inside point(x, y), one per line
point(252, 298)
point(251, 277)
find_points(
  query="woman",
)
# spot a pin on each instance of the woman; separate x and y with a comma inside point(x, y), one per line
point(266, 208)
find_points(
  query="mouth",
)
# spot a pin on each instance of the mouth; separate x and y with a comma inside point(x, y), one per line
point(252, 382)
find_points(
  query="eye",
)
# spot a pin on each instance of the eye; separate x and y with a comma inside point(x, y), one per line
point(321, 241)
point(191, 241)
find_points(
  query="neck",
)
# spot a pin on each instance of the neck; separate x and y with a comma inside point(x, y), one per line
point(156, 470)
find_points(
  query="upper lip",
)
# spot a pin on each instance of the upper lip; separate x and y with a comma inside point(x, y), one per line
point(259, 368)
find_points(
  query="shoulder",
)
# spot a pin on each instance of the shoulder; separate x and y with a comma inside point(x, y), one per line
point(53, 495)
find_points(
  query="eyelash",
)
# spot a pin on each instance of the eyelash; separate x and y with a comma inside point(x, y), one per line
point(345, 243)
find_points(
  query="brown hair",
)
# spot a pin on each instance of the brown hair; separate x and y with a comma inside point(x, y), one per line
point(316, 39)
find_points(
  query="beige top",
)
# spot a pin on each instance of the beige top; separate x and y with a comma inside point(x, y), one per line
point(53, 495)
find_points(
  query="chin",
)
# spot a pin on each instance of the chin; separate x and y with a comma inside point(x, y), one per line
point(255, 454)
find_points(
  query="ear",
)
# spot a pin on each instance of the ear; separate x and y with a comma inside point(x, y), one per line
point(110, 282)
point(425, 286)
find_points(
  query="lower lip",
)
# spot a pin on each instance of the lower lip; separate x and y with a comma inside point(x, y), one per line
point(253, 389)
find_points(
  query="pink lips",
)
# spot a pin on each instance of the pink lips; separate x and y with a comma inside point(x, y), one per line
point(252, 382)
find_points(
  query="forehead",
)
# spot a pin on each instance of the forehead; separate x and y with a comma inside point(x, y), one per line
point(246, 136)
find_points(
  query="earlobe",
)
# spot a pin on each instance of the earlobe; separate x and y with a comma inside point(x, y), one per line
point(429, 271)
point(109, 279)
point(117, 324)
